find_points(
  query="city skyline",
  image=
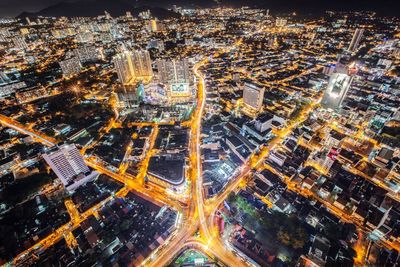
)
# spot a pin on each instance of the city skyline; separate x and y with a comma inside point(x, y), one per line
point(199, 136)
point(10, 8)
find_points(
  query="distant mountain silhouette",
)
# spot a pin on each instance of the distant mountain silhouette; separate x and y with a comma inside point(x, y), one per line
point(316, 7)
point(91, 8)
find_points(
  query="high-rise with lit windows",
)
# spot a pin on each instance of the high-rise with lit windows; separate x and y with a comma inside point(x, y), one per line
point(20, 43)
point(355, 41)
point(155, 26)
point(133, 65)
point(175, 76)
point(173, 71)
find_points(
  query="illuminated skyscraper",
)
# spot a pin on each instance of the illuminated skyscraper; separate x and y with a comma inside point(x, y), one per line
point(280, 22)
point(4, 78)
point(173, 71)
point(142, 63)
point(24, 31)
point(20, 43)
point(4, 35)
point(155, 25)
point(253, 96)
point(122, 68)
point(144, 14)
point(175, 75)
point(355, 41)
point(133, 65)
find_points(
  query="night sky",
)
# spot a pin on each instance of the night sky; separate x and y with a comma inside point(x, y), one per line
point(12, 8)
point(386, 7)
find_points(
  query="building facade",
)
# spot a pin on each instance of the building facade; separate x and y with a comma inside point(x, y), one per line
point(133, 65)
point(355, 41)
point(253, 96)
point(68, 164)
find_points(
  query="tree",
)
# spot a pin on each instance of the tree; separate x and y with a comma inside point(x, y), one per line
point(283, 237)
point(231, 197)
point(125, 224)
point(299, 239)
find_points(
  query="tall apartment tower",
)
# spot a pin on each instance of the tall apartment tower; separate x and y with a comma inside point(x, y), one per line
point(68, 164)
point(253, 96)
point(122, 67)
point(173, 71)
point(20, 43)
point(142, 63)
point(155, 25)
point(355, 41)
point(280, 22)
point(3, 78)
point(133, 65)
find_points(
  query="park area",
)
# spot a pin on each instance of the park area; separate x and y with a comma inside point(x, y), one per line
point(282, 237)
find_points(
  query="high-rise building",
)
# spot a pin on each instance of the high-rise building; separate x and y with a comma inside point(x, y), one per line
point(144, 14)
point(133, 65)
point(122, 67)
point(328, 69)
point(127, 97)
point(70, 66)
point(173, 71)
point(253, 96)
point(4, 78)
point(68, 164)
point(20, 43)
point(355, 41)
point(155, 25)
point(107, 15)
point(4, 35)
point(9, 88)
point(280, 22)
point(142, 63)
point(24, 31)
point(31, 94)
point(175, 75)
point(337, 89)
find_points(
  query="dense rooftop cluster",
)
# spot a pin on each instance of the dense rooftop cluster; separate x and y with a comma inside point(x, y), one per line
point(225, 136)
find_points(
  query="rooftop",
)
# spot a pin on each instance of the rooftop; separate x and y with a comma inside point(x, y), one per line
point(168, 167)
